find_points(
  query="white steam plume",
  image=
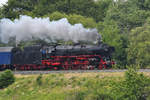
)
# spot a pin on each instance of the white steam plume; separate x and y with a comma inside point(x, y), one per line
point(26, 28)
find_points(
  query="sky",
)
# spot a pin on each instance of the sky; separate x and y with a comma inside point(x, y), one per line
point(3, 2)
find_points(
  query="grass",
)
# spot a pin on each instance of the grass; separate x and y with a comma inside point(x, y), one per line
point(69, 86)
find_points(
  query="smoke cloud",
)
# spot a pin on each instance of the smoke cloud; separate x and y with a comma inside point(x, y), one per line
point(27, 28)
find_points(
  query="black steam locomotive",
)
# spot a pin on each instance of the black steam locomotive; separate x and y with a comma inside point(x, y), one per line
point(57, 57)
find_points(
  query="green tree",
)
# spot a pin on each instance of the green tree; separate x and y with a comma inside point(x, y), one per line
point(101, 9)
point(139, 47)
point(56, 15)
point(134, 87)
point(87, 22)
point(1, 14)
point(14, 8)
point(111, 35)
point(127, 14)
point(88, 8)
point(73, 19)
point(6, 79)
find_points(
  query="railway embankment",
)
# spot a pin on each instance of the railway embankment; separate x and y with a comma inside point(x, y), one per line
point(79, 86)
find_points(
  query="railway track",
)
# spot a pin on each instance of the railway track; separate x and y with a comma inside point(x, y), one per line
point(74, 71)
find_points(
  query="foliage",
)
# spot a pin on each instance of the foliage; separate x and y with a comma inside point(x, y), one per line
point(39, 79)
point(56, 15)
point(111, 35)
point(6, 79)
point(127, 14)
point(88, 8)
point(139, 47)
point(96, 86)
point(73, 19)
point(1, 14)
point(134, 87)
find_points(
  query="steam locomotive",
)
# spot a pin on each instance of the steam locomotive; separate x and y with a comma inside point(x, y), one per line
point(57, 57)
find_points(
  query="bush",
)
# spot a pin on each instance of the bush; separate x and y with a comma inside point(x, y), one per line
point(6, 79)
point(135, 84)
point(134, 87)
point(39, 79)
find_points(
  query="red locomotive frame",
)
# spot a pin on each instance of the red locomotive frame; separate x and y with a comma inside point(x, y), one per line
point(82, 62)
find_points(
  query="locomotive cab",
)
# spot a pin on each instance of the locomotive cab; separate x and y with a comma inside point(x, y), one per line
point(29, 55)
